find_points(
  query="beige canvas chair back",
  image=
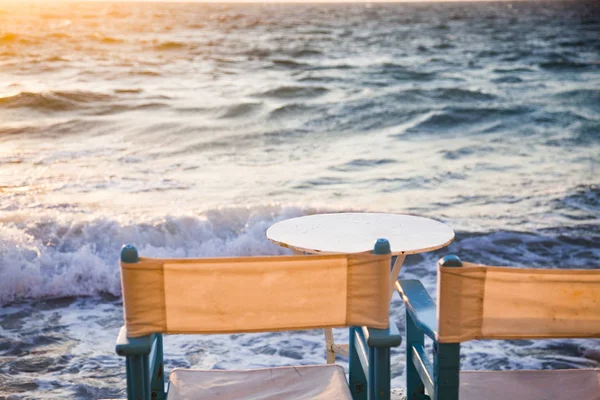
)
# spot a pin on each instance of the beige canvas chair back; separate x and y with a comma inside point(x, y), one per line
point(225, 295)
point(481, 302)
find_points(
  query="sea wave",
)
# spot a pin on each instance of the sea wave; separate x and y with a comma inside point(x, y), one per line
point(60, 128)
point(54, 100)
point(567, 65)
point(583, 198)
point(106, 39)
point(588, 98)
point(58, 255)
point(467, 120)
point(170, 45)
point(291, 110)
point(402, 72)
point(451, 94)
point(362, 163)
point(239, 110)
point(291, 64)
point(295, 92)
point(61, 253)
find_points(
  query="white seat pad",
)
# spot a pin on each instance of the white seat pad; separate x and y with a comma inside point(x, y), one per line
point(531, 385)
point(326, 382)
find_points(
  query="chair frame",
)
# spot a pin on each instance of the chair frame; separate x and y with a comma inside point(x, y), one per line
point(441, 380)
point(421, 320)
point(369, 354)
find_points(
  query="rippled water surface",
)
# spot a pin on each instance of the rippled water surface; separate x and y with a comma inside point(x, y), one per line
point(188, 129)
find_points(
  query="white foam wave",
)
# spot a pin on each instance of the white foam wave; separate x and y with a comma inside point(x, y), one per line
point(50, 253)
point(68, 255)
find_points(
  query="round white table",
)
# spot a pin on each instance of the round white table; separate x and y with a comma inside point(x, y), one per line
point(357, 233)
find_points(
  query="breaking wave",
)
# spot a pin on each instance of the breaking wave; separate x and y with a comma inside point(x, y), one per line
point(63, 255)
point(57, 256)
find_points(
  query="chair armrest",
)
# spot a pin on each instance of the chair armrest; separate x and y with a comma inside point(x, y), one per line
point(389, 337)
point(419, 305)
point(138, 346)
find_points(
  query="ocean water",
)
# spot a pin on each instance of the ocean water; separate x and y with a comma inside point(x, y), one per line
point(188, 129)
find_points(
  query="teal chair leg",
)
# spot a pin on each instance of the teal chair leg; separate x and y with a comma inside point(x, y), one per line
point(381, 366)
point(371, 379)
point(137, 377)
point(157, 378)
point(378, 342)
point(370, 362)
point(357, 378)
point(415, 389)
point(446, 367)
point(144, 366)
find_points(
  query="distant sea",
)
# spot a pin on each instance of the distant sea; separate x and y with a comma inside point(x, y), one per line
point(188, 129)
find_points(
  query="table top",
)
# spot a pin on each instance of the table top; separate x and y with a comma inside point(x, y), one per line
point(357, 233)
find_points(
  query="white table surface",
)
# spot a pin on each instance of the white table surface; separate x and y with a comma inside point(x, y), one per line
point(357, 232)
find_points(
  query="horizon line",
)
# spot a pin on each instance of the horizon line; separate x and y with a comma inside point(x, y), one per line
point(24, 2)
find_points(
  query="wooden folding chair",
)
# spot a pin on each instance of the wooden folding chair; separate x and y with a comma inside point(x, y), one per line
point(254, 294)
point(482, 302)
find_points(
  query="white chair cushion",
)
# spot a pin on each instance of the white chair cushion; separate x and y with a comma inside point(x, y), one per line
point(566, 384)
point(326, 382)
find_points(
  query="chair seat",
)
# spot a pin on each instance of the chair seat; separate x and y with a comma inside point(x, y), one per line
point(531, 385)
point(327, 382)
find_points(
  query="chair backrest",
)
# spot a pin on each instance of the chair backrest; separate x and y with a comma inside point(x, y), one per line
point(246, 294)
point(482, 302)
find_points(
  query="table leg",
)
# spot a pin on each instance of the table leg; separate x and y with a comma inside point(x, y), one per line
point(332, 349)
point(395, 272)
point(329, 343)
